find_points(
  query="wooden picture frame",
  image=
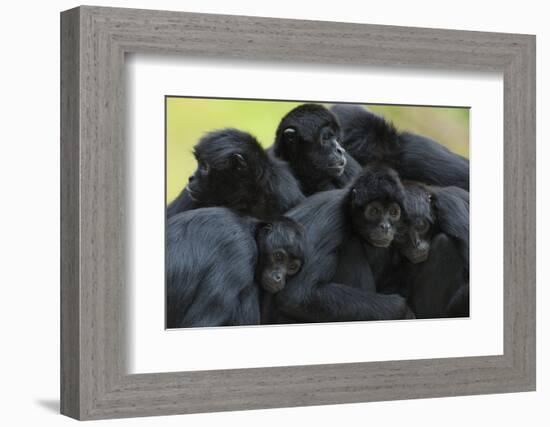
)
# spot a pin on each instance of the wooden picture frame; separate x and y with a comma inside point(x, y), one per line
point(94, 41)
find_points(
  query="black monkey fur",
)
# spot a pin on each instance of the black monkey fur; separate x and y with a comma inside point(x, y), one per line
point(216, 274)
point(309, 139)
point(434, 268)
point(336, 283)
point(369, 137)
point(235, 172)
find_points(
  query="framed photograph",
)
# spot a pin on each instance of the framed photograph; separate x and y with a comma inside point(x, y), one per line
point(262, 213)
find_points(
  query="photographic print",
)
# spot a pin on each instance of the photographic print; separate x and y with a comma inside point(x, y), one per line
point(285, 212)
point(282, 248)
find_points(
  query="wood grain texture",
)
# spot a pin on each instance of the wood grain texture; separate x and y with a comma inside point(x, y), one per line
point(70, 314)
point(94, 382)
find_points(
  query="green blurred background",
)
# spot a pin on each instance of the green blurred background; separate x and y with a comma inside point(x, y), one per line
point(188, 119)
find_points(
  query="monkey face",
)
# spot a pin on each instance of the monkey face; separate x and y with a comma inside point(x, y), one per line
point(329, 152)
point(277, 265)
point(376, 201)
point(280, 253)
point(309, 138)
point(377, 222)
point(413, 240)
point(321, 150)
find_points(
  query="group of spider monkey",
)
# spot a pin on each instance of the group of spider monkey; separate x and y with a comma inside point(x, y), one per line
point(344, 218)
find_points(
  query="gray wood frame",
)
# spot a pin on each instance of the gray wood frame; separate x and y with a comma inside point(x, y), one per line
point(94, 41)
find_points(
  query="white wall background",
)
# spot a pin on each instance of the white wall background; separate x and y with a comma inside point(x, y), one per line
point(29, 225)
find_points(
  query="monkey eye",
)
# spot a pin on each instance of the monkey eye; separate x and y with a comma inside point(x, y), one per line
point(278, 256)
point(394, 211)
point(326, 137)
point(374, 211)
point(267, 227)
point(294, 266)
point(204, 167)
point(422, 226)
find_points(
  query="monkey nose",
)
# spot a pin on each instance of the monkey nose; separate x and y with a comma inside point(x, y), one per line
point(385, 227)
point(277, 277)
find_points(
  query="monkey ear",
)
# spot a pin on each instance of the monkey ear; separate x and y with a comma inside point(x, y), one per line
point(240, 161)
point(265, 227)
point(289, 135)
